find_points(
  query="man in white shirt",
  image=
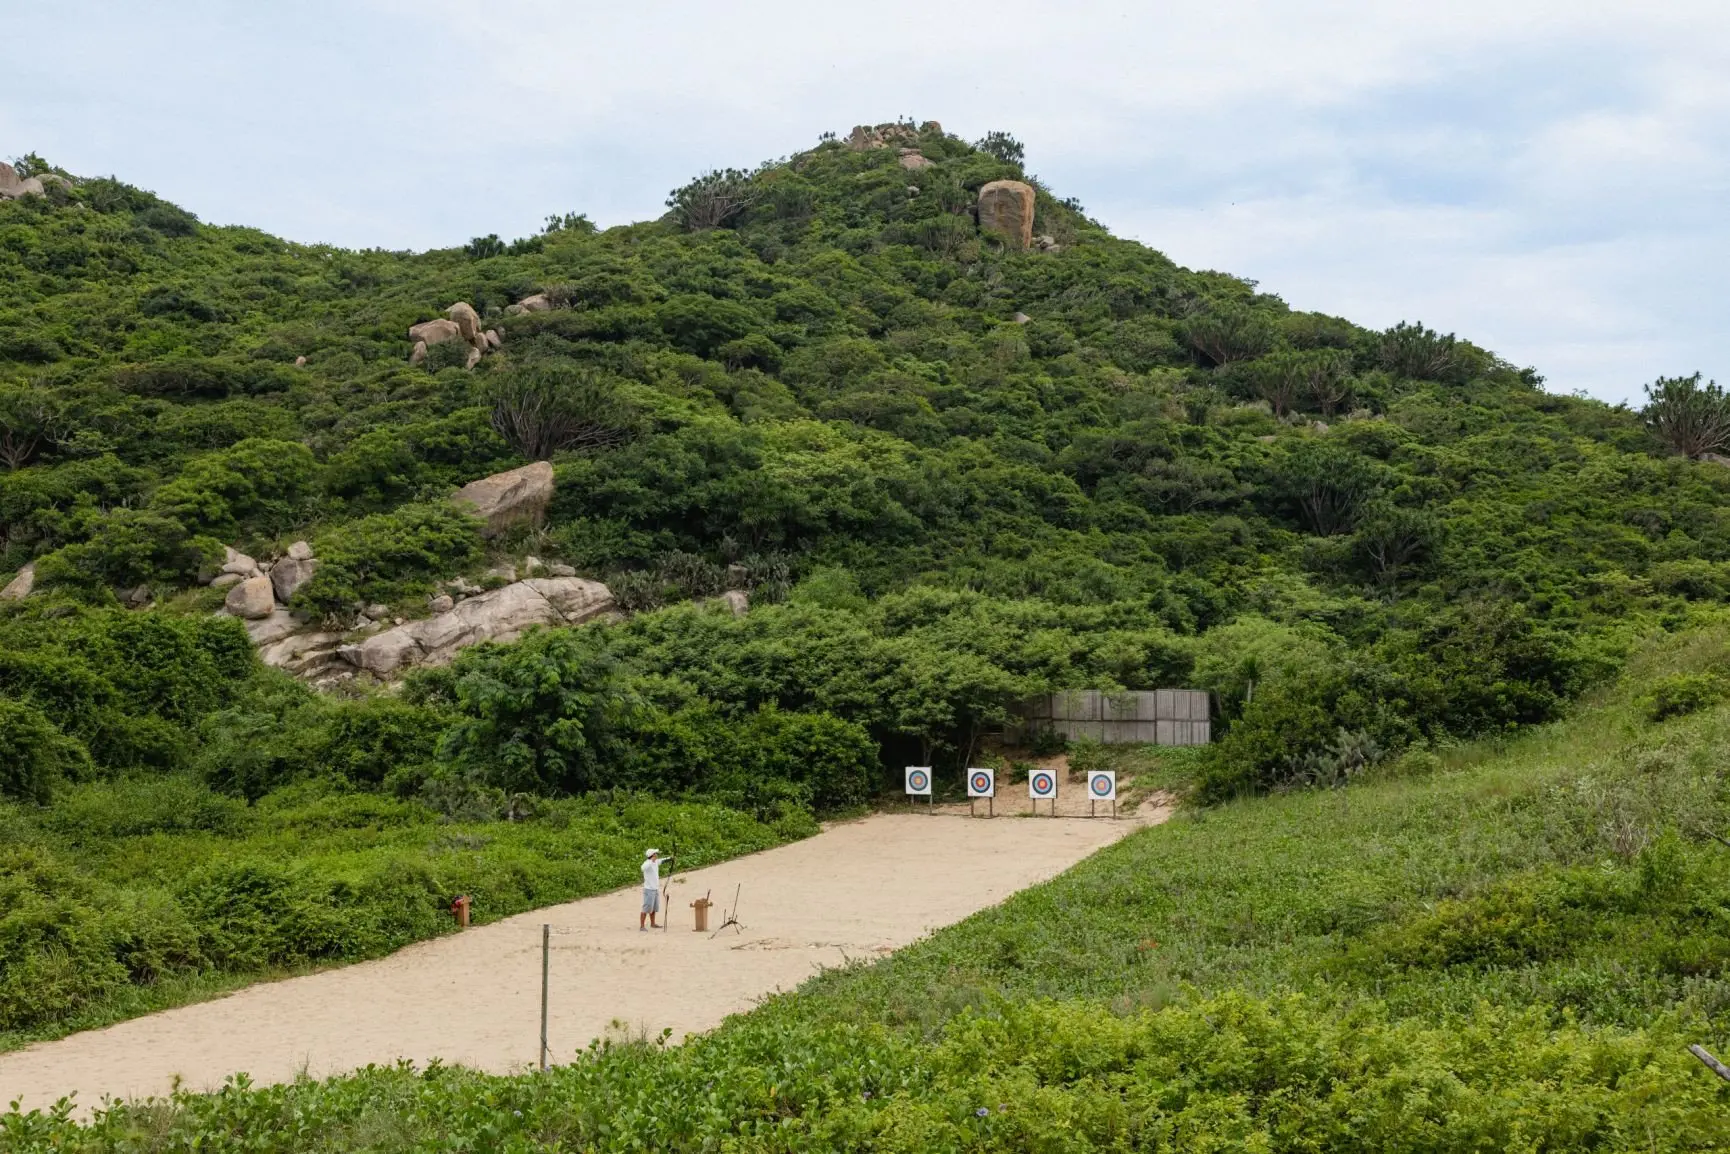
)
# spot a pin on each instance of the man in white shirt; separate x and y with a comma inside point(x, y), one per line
point(652, 860)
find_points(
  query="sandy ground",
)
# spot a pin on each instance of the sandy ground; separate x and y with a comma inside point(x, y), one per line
point(858, 890)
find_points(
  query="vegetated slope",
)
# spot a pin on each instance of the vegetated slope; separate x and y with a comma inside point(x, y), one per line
point(819, 373)
point(1506, 949)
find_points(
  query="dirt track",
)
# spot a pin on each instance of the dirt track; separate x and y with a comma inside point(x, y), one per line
point(858, 890)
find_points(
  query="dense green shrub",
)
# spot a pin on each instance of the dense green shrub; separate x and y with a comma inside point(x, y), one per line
point(388, 556)
point(34, 755)
point(1684, 693)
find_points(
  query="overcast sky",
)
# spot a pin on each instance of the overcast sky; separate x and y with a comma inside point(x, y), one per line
point(1549, 179)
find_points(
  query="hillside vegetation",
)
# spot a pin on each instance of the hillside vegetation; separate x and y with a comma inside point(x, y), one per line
point(951, 471)
point(1504, 950)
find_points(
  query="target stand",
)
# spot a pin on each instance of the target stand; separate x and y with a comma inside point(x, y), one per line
point(918, 782)
point(982, 783)
point(1042, 786)
point(1101, 786)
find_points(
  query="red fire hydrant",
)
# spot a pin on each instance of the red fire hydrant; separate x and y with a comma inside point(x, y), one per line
point(460, 907)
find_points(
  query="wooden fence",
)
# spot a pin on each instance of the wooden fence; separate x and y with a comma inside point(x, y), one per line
point(1152, 716)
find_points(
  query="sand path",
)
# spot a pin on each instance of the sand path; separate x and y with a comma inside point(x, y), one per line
point(857, 890)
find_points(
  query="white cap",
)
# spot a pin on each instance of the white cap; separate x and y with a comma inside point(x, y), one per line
point(650, 852)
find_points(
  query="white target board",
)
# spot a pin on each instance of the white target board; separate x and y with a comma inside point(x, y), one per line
point(1101, 785)
point(919, 781)
point(1042, 785)
point(981, 783)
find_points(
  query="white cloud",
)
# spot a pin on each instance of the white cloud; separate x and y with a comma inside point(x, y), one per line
point(1545, 177)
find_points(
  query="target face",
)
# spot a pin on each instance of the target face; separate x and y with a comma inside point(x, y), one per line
point(919, 780)
point(1042, 785)
point(981, 783)
point(1102, 785)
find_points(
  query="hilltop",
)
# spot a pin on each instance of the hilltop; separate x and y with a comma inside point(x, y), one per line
point(945, 440)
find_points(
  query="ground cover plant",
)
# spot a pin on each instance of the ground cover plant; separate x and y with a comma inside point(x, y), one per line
point(1502, 947)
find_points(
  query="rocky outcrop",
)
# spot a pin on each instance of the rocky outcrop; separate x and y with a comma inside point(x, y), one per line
point(467, 321)
point(737, 601)
point(912, 159)
point(12, 185)
point(461, 323)
point(865, 136)
point(511, 498)
point(22, 583)
point(1006, 211)
point(1046, 244)
point(539, 303)
point(437, 332)
point(252, 599)
point(501, 615)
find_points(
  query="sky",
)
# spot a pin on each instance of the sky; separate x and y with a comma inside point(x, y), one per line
point(1551, 180)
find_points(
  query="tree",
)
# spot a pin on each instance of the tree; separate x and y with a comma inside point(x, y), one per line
point(1422, 354)
point(34, 755)
point(29, 420)
point(1280, 378)
point(540, 716)
point(1391, 540)
point(547, 407)
point(715, 199)
point(1003, 146)
point(1325, 377)
point(1689, 417)
point(1326, 483)
point(1232, 333)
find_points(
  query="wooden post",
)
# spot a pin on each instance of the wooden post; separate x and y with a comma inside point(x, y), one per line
point(546, 949)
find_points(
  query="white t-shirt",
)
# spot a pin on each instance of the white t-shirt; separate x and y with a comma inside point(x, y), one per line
point(651, 873)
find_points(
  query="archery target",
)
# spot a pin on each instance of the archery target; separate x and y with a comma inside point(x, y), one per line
point(1101, 785)
point(981, 783)
point(1042, 785)
point(919, 780)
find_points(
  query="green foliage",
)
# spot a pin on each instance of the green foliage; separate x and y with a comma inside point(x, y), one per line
point(542, 409)
point(387, 556)
point(714, 200)
point(1683, 693)
point(34, 755)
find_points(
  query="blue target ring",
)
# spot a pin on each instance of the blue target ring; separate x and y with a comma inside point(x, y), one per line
point(981, 782)
point(1043, 785)
point(1102, 786)
point(917, 781)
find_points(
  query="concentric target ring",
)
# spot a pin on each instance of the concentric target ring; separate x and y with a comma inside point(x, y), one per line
point(918, 780)
point(981, 782)
point(1043, 785)
point(1101, 786)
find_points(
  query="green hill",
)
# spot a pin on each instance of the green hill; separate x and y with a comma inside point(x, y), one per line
point(950, 470)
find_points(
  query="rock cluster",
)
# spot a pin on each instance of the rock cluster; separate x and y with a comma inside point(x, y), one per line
point(503, 614)
point(13, 186)
point(1006, 209)
point(461, 323)
point(866, 136)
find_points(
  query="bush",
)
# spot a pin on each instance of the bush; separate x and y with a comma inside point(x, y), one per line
point(1682, 694)
point(34, 755)
point(390, 555)
point(548, 407)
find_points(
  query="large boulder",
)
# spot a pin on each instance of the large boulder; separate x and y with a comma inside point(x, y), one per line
point(20, 586)
point(506, 499)
point(501, 615)
point(273, 627)
point(912, 159)
point(436, 332)
point(289, 574)
point(9, 180)
point(305, 654)
point(252, 599)
point(1006, 210)
point(236, 562)
point(467, 321)
point(539, 303)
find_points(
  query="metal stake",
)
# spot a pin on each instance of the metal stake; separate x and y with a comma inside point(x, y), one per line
point(546, 949)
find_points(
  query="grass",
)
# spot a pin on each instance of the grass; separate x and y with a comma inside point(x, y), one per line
point(1506, 952)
